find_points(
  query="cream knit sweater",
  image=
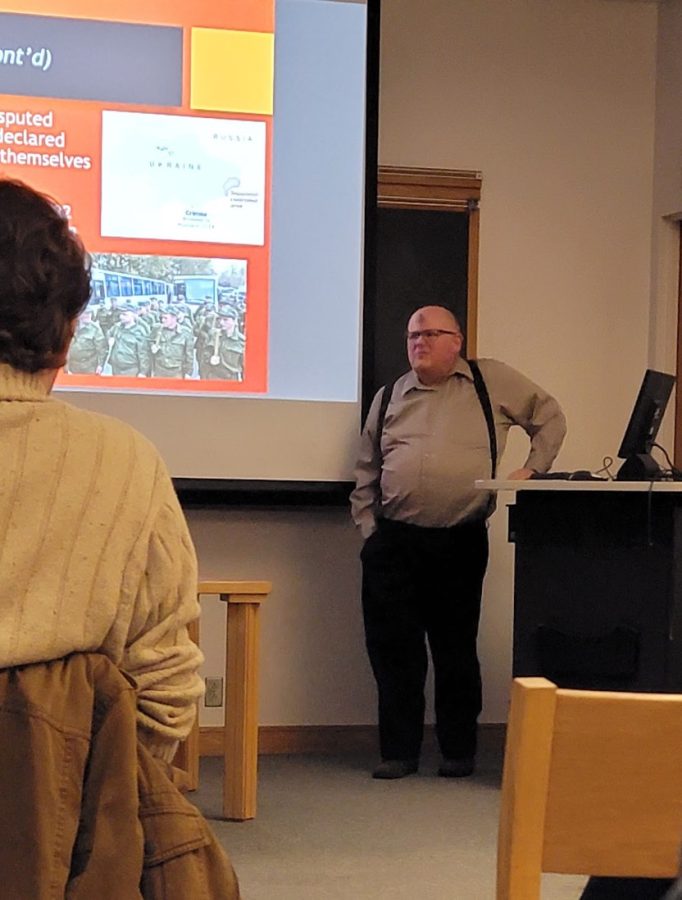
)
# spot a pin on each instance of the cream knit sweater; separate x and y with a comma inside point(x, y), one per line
point(95, 554)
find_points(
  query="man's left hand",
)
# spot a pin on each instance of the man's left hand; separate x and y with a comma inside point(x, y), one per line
point(521, 474)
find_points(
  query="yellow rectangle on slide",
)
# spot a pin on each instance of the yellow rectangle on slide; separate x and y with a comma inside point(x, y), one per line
point(232, 71)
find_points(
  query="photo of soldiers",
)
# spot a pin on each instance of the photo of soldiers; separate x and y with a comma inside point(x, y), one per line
point(222, 354)
point(163, 317)
point(88, 347)
point(129, 351)
point(172, 347)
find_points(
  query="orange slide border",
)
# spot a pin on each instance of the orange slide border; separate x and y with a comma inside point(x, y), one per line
point(240, 15)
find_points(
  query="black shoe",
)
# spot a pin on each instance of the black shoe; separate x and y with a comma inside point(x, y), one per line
point(456, 768)
point(395, 768)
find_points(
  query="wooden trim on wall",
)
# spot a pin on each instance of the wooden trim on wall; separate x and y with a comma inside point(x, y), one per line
point(273, 739)
point(297, 739)
point(211, 740)
point(428, 188)
point(457, 190)
point(677, 458)
point(472, 280)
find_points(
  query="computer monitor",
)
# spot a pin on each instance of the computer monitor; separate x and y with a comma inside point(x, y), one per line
point(643, 426)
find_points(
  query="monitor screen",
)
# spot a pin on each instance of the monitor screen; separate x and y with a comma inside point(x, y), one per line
point(647, 414)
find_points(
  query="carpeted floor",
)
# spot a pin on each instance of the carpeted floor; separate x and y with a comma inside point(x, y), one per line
point(326, 831)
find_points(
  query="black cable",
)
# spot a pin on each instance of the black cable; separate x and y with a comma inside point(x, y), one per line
point(607, 461)
point(649, 515)
point(673, 471)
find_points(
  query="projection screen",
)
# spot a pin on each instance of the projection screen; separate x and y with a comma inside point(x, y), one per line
point(212, 158)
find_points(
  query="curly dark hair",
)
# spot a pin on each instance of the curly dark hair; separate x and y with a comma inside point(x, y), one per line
point(44, 279)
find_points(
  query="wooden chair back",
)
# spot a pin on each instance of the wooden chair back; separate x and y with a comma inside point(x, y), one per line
point(592, 785)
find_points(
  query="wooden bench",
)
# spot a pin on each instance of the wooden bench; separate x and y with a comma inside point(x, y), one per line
point(243, 600)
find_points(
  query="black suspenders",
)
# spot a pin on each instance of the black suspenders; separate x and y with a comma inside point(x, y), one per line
point(483, 399)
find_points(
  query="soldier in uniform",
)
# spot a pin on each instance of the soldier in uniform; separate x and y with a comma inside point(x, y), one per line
point(148, 316)
point(155, 308)
point(222, 354)
point(172, 348)
point(184, 317)
point(108, 315)
point(204, 320)
point(129, 342)
point(88, 347)
point(207, 307)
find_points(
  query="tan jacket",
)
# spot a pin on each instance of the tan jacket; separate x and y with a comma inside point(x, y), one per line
point(85, 810)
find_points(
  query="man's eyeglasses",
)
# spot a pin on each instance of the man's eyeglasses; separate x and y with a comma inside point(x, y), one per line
point(430, 334)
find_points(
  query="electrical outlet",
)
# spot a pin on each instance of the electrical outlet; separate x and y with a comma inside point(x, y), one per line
point(214, 691)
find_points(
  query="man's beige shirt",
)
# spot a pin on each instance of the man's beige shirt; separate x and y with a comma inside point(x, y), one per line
point(435, 445)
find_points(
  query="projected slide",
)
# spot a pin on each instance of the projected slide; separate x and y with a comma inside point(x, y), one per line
point(152, 127)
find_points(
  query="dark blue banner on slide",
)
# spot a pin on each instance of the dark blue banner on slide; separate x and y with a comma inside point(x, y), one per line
point(42, 56)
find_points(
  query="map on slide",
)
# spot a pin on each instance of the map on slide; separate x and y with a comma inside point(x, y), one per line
point(184, 178)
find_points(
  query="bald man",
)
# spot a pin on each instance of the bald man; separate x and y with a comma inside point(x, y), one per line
point(424, 522)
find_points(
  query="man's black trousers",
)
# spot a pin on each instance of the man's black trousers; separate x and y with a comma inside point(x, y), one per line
point(423, 583)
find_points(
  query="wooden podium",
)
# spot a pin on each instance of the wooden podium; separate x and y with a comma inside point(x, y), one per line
point(597, 582)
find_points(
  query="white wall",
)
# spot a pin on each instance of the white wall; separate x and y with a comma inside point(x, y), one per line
point(553, 100)
point(667, 210)
point(313, 668)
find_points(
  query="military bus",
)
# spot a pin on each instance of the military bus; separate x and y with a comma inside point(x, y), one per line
point(106, 284)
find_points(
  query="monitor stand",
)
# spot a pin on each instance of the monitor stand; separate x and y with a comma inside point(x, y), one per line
point(642, 467)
